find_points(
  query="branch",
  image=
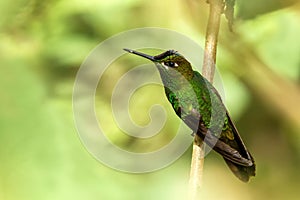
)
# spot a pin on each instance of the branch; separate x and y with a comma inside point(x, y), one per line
point(208, 71)
point(212, 32)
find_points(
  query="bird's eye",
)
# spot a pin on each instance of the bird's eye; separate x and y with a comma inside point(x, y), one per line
point(170, 64)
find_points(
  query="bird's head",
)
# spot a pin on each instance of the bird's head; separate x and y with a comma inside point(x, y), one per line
point(169, 63)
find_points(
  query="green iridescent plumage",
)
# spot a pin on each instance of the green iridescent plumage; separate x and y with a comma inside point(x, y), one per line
point(198, 104)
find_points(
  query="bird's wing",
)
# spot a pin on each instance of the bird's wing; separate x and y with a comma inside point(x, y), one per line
point(224, 140)
point(193, 120)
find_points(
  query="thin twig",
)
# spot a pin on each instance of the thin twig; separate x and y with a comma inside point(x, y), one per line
point(208, 70)
point(212, 32)
point(196, 172)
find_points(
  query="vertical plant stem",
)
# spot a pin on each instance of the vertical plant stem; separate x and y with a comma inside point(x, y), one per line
point(196, 173)
point(208, 71)
point(212, 32)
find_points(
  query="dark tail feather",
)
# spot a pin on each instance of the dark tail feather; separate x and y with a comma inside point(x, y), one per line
point(240, 171)
point(243, 168)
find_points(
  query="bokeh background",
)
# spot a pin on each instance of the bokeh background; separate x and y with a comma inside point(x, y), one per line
point(42, 45)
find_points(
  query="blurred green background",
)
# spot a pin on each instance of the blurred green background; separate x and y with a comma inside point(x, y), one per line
point(43, 43)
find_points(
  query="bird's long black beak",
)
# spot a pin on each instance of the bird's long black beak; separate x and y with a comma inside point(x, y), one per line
point(140, 54)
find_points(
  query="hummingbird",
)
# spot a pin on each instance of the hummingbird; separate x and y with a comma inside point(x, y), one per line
point(198, 104)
